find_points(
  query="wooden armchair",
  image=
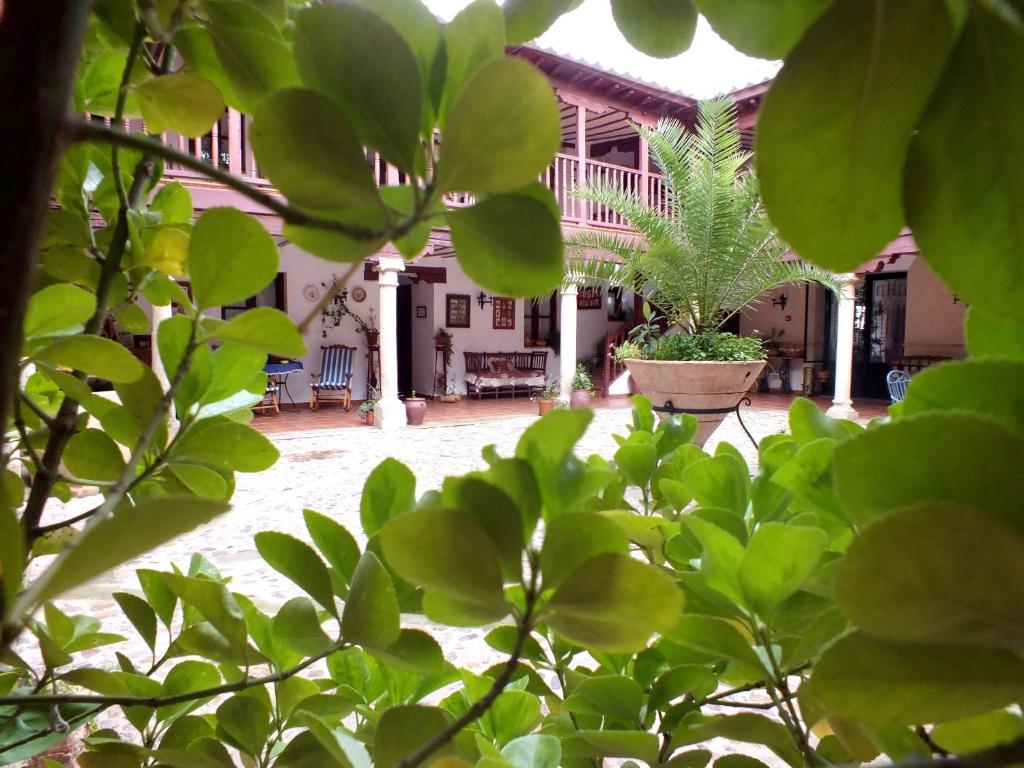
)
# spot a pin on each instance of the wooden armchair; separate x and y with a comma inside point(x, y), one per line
point(334, 379)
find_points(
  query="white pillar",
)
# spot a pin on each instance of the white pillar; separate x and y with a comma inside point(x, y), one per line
point(842, 405)
point(390, 411)
point(567, 350)
point(159, 314)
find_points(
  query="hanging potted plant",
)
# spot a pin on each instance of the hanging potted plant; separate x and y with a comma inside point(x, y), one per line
point(582, 388)
point(548, 397)
point(415, 409)
point(707, 252)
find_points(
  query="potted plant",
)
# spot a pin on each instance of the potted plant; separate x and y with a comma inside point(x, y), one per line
point(443, 340)
point(548, 397)
point(366, 407)
point(368, 329)
point(707, 254)
point(415, 409)
point(451, 393)
point(582, 387)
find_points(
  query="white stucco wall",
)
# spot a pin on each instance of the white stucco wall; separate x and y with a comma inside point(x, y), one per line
point(935, 325)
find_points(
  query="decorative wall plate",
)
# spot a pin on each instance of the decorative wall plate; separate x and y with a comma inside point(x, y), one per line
point(358, 293)
point(311, 292)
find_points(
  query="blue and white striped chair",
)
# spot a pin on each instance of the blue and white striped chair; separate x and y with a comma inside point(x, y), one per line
point(897, 382)
point(334, 380)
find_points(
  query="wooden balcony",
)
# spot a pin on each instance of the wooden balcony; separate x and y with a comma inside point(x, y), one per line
point(227, 147)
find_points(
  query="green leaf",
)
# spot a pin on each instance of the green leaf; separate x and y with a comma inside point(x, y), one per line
point(614, 603)
point(747, 727)
point(978, 733)
point(778, 560)
point(926, 574)
point(230, 257)
point(371, 616)
point(404, 729)
point(160, 598)
point(586, 744)
point(614, 696)
point(721, 481)
point(549, 440)
point(764, 30)
point(572, 539)
point(187, 677)
point(983, 387)
point(509, 244)
point(334, 541)
point(342, 746)
point(934, 457)
point(91, 455)
point(118, 538)
point(738, 761)
point(233, 368)
point(56, 308)
point(212, 601)
point(636, 462)
point(475, 36)
point(534, 751)
point(227, 445)
point(264, 328)
point(881, 682)
point(970, 198)
point(660, 28)
point(140, 614)
point(527, 19)
point(307, 147)
point(808, 423)
point(833, 186)
point(810, 476)
point(502, 131)
point(254, 60)
point(300, 563)
point(414, 651)
point(717, 638)
point(994, 334)
point(94, 355)
point(184, 103)
point(174, 204)
point(721, 557)
point(686, 679)
point(12, 553)
point(298, 627)
point(447, 551)
point(513, 714)
point(359, 60)
point(389, 491)
point(245, 721)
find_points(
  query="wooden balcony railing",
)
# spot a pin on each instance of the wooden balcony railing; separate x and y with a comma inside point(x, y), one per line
point(227, 147)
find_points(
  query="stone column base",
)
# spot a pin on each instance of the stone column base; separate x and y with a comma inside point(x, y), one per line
point(843, 411)
point(389, 414)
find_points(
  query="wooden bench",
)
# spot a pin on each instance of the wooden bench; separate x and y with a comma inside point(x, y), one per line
point(500, 373)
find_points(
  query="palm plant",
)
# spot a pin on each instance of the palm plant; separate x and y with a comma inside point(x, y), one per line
point(708, 249)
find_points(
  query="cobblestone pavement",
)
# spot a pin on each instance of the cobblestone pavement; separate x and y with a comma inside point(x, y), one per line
point(325, 471)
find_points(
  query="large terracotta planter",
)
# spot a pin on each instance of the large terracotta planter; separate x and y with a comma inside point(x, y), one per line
point(415, 410)
point(580, 398)
point(695, 386)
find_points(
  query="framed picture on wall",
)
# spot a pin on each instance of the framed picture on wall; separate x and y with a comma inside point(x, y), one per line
point(504, 313)
point(588, 297)
point(421, 311)
point(456, 310)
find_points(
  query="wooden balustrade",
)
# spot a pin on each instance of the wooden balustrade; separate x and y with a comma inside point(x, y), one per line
point(227, 147)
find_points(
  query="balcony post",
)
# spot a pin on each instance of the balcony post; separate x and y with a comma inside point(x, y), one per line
point(842, 405)
point(645, 171)
point(234, 142)
point(567, 341)
point(390, 411)
point(581, 156)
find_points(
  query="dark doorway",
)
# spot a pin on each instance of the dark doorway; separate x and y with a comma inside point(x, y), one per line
point(879, 323)
point(403, 315)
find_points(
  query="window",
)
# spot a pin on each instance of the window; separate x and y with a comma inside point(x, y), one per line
point(272, 296)
point(539, 321)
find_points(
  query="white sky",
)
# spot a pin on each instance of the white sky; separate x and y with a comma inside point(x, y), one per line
point(711, 66)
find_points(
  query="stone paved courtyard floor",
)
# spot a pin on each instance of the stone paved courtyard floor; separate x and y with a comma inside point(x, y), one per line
point(325, 470)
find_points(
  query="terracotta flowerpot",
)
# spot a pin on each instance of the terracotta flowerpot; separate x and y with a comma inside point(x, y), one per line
point(696, 386)
point(369, 418)
point(415, 410)
point(372, 337)
point(545, 404)
point(580, 398)
point(448, 398)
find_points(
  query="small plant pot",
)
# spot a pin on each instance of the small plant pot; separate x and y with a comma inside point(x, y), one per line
point(580, 398)
point(448, 398)
point(369, 418)
point(545, 404)
point(372, 337)
point(415, 410)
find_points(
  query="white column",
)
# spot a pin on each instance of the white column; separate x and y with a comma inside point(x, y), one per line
point(390, 411)
point(567, 351)
point(842, 405)
point(159, 314)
